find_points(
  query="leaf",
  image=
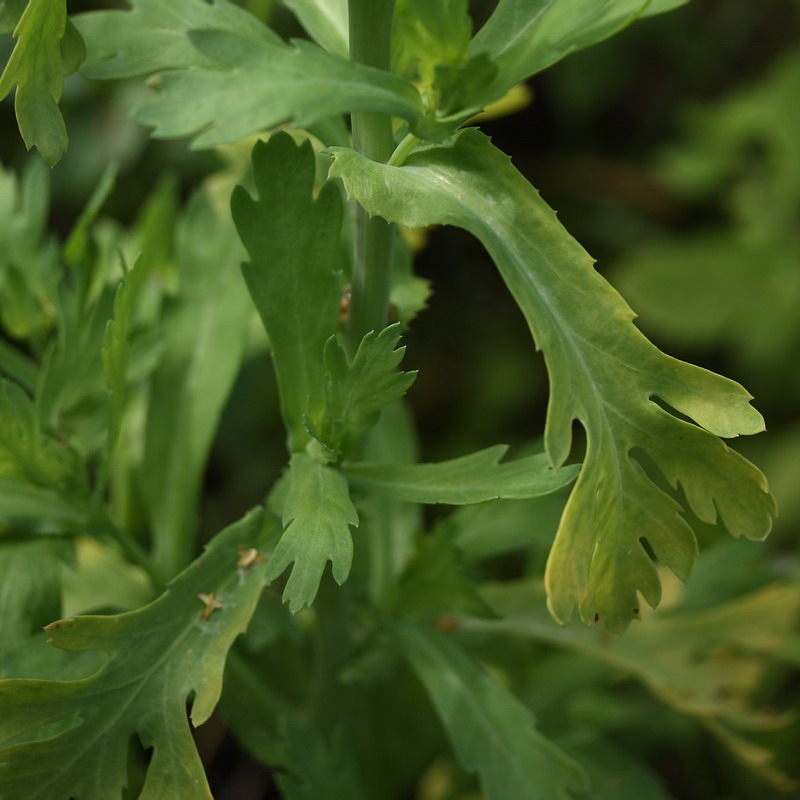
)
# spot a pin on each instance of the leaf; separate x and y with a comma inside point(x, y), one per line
point(603, 373)
point(317, 768)
point(523, 37)
point(30, 588)
point(316, 518)
point(28, 253)
point(492, 732)
point(475, 478)
point(306, 85)
point(707, 664)
point(153, 35)
point(434, 584)
point(205, 329)
point(159, 657)
point(27, 455)
point(498, 527)
point(116, 349)
point(36, 69)
point(29, 508)
point(199, 49)
point(326, 21)
point(614, 773)
point(293, 242)
point(356, 392)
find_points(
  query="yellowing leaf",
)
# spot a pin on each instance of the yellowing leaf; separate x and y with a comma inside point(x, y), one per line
point(603, 373)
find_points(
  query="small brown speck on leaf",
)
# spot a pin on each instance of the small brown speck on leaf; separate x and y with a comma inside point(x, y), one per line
point(249, 556)
point(447, 623)
point(210, 602)
point(596, 619)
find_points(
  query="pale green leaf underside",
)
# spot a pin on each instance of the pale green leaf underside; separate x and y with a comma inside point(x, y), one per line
point(326, 22)
point(603, 372)
point(475, 478)
point(158, 656)
point(223, 75)
point(317, 519)
point(36, 69)
point(524, 37)
point(292, 239)
point(492, 732)
point(154, 35)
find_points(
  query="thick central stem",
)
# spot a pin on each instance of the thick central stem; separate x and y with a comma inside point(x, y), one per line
point(371, 44)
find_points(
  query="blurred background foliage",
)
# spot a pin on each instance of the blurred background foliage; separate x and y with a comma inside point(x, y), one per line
point(672, 153)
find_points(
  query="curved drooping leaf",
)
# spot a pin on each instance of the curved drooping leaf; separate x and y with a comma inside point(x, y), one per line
point(603, 373)
point(523, 37)
point(475, 478)
point(47, 49)
point(224, 75)
point(316, 517)
point(158, 656)
point(292, 239)
point(492, 732)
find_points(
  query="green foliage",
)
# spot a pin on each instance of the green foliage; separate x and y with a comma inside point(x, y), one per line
point(491, 731)
point(205, 329)
point(47, 49)
point(475, 478)
point(597, 361)
point(293, 278)
point(143, 407)
point(161, 654)
point(316, 518)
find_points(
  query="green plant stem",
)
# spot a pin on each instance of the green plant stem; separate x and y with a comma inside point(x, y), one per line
point(333, 648)
point(370, 44)
point(403, 150)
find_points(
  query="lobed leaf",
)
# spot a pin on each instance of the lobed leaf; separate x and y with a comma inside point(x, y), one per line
point(317, 517)
point(158, 657)
point(475, 478)
point(491, 731)
point(292, 240)
point(355, 392)
point(603, 373)
point(202, 51)
point(36, 69)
